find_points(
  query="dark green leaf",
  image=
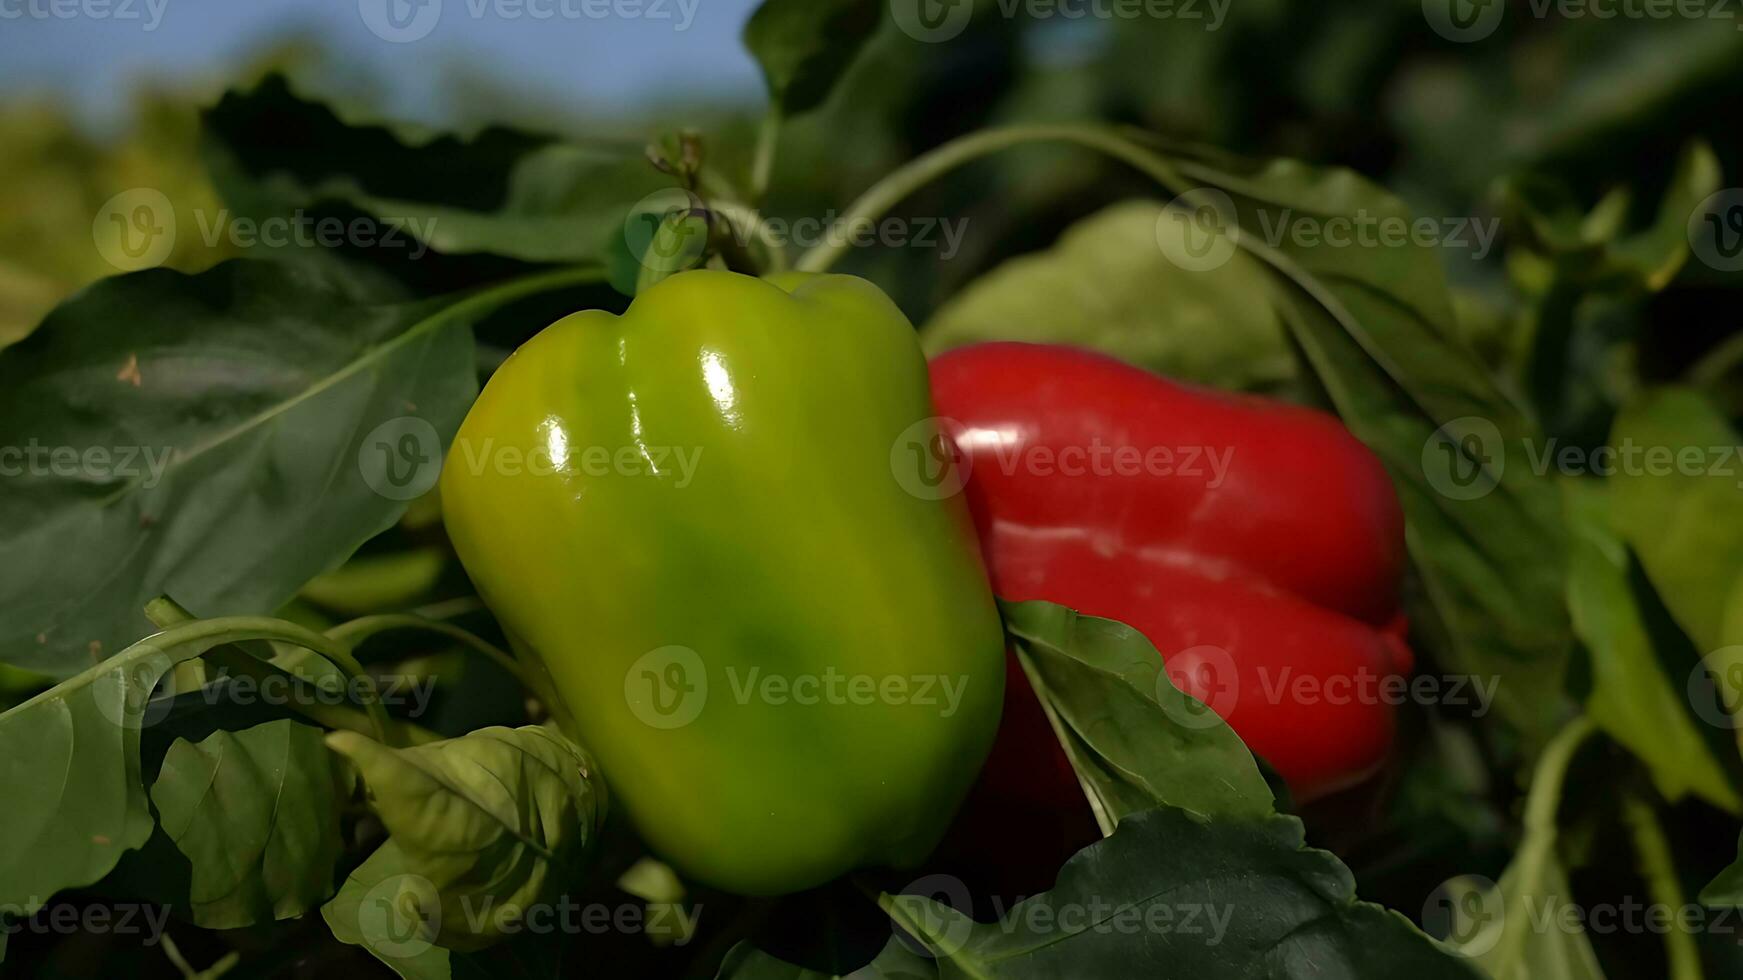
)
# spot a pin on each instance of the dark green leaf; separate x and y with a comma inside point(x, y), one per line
point(1175, 895)
point(254, 813)
point(223, 437)
point(1134, 739)
point(76, 746)
point(804, 46)
point(1375, 322)
point(519, 195)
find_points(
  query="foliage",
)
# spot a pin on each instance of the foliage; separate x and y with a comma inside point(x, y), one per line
point(1556, 392)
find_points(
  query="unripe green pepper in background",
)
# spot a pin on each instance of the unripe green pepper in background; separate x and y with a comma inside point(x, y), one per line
point(706, 518)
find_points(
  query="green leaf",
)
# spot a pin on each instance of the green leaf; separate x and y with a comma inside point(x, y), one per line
point(496, 821)
point(222, 437)
point(1135, 740)
point(1108, 286)
point(76, 746)
point(1173, 894)
point(1631, 699)
point(1375, 323)
point(895, 962)
point(525, 196)
point(805, 46)
point(1727, 888)
point(1679, 505)
point(386, 907)
point(255, 814)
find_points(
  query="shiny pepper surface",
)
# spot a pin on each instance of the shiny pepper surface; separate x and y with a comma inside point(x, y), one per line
point(1258, 545)
point(788, 664)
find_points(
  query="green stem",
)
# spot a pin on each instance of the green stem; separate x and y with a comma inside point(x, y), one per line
point(334, 716)
point(1541, 804)
point(355, 632)
point(531, 677)
point(924, 169)
point(235, 629)
point(747, 221)
point(1038, 686)
point(491, 297)
point(1718, 362)
point(1658, 867)
point(173, 953)
point(165, 612)
point(1544, 797)
point(763, 166)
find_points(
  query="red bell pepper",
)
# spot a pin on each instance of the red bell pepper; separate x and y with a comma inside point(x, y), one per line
point(1257, 544)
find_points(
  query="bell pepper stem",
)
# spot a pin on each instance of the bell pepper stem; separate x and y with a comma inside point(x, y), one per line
point(1658, 866)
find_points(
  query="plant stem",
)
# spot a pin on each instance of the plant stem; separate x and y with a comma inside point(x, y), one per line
point(355, 632)
point(768, 136)
point(1658, 866)
point(165, 612)
point(234, 629)
point(1718, 362)
point(491, 297)
point(1544, 798)
point(743, 219)
point(531, 676)
point(1541, 803)
point(1104, 820)
point(927, 167)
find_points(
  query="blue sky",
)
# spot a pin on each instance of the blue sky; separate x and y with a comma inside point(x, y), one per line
point(601, 54)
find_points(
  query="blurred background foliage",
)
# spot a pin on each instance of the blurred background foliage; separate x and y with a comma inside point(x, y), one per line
point(1572, 110)
point(1589, 141)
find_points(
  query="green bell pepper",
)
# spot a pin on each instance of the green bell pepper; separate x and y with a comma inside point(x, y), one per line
point(704, 519)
